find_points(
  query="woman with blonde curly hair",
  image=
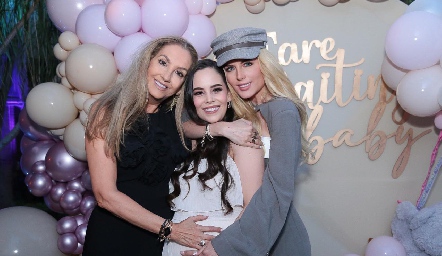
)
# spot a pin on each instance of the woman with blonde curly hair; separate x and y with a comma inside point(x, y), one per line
point(270, 225)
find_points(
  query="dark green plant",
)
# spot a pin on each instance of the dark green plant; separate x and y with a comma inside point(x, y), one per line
point(27, 38)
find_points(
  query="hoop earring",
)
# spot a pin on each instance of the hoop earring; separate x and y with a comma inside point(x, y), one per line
point(229, 104)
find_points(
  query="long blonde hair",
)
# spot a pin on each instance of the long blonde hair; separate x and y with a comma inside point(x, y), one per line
point(278, 85)
point(123, 102)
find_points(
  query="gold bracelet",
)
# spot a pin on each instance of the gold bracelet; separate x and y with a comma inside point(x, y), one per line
point(165, 230)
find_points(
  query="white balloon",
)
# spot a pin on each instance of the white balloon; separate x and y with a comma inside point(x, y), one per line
point(433, 6)
point(329, 3)
point(392, 74)
point(79, 99)
point(418, 91)
point(255, 9)
point(74, 140)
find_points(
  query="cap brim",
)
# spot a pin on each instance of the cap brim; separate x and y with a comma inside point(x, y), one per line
point(237, 54)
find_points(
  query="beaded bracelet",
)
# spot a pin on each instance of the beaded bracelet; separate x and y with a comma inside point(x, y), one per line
point(165, 230)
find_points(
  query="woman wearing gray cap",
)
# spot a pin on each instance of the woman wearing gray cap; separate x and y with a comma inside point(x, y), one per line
point(270, 224)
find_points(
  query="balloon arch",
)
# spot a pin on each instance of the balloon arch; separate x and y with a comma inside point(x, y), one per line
point(96, 44)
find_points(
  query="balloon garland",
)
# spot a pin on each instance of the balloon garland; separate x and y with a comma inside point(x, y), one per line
point(97, 42)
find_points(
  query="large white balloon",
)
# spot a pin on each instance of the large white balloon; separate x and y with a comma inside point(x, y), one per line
point(433, 6)
point(51, 105)
point(418, 91)
point(74, 140)
point(28, 231)
point(91, 68)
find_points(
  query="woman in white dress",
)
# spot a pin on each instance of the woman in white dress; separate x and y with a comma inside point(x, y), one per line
point(219, 178)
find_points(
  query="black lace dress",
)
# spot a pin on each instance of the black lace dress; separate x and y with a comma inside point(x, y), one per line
point(151, 151)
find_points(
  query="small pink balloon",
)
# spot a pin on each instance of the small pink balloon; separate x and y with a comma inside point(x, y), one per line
point(438, 120)
point(76, 185)
point(392, 74)
point(91, 27)
point(123, 17)
point(194, 6)
point(385, 246)
point(164, 18)
point(79, 249)
point(209, 7)
point(64, 13)
point(39, 167)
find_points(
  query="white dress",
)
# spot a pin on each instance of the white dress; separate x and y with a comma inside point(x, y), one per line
point(196, 201)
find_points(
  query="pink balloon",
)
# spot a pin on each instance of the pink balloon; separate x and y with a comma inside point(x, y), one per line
point(194, 6)
point(164, 17)
point(64, 13)
point(91, 27)
point(126, 49)
point(209, 7)
point(67, 243)
point(392, 74)
point(61, 166)
point(200, 33)
point(418, 91)
point(438, 120)
point(123, 17)
point(70, 200)
point(414, 41)
point(67, 224)
point(385, 246)
point(31, 129)
point(34, 153)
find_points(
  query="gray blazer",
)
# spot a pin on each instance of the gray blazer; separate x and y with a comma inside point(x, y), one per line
point(270, 225)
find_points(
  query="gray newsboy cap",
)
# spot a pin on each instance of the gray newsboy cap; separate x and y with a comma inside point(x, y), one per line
point(239, 43)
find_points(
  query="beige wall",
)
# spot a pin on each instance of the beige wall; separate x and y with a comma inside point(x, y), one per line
point(349, 194)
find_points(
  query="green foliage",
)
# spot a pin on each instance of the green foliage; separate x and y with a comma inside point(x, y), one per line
point(27, 38)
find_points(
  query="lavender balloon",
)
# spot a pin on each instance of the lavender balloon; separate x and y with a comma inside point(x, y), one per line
point(87, 216)
point(80, 219)
point(57, 191)
point(67, 224)
point(51, 204)
point(25, 143)
point(39, 167)
point(72, 212)
point(67, 243)
point(70, 200)
point(86, 180)
point(79, 249)
point(76, 185)
point(80, 233)
point(61, 166)
point(31, 129)
point(34, 153)
point(39, 184)
point(87, 203)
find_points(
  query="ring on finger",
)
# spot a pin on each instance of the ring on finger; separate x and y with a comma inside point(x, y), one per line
point(202, 242)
